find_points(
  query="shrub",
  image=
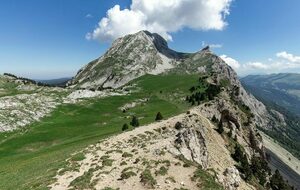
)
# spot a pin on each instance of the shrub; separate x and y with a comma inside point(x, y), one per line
point(229, 133)
point(126, 155)
point(178, 125)
point(123, 163)
point(147, 178)
point(134, 122)
point(125, 127)
point(205, 180)
point(162, 171)
point(186, 165)
point(252, 140)
point(220, 127)
point(238, 153)
point(158, 117)
point(78, 157)
point(107, 162)
point(235, 138)
point(260, 169)
point(127, 174)
point(278, 183)
point(214, 119)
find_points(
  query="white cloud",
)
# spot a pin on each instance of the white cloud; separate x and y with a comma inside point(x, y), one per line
point(281, 63)
point(256, 65)
point(89, 16)
point(231, 62)
point(288, 57)
point(162, 17)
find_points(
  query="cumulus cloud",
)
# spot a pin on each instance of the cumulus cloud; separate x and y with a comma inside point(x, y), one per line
point(231, 62)
point(256, 65)
point(288, 57)
point(282, 62)
point(162, 17)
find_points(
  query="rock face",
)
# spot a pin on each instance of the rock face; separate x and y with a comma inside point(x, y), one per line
point(136, 55)
point(21, 110)
point(128, 58)
point(191, 142)
point(231, 179)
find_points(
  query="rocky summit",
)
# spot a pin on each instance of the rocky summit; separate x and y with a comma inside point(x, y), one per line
point(133, 56)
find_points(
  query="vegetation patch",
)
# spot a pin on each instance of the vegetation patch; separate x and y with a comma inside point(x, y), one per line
point(127, 155)
point(106, 161)
point(205, 180)
point(127, 174)
point(109, 188)
point(83, 182)
point(186, 163)
point(162, 171)
point(78, 157)
point(147, 179)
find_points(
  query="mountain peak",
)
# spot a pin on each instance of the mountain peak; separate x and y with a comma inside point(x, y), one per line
point(207, 48)
point(153, 39)
point(135, 55)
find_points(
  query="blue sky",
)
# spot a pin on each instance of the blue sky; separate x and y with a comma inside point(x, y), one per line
point(47, 39)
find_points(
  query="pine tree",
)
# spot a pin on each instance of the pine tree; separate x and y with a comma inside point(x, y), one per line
point(125, 127)
point(134, 122)
point(178, 125)
point(246, 167)
point(238, 154)
point(277, 182)
point(235, 138)
point(220, 127)
point(229, 133)
point(214, 119)
point(158, 117)
point(260, 169)
point(252, 140)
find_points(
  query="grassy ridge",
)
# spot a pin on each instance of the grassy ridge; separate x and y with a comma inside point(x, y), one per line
point(29, 158)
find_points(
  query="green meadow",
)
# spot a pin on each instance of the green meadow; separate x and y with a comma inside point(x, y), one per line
point(29, 158)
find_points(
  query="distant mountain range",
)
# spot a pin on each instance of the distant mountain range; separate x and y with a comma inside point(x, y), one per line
point(56, 82)
point(281, 89)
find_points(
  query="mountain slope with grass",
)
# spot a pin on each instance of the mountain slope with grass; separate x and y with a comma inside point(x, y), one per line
point(279, 92)
point(135, 117)
point(282, 89)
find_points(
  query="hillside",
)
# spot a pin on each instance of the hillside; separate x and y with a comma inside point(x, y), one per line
point(135, 117)
point(56, 82)
point(282, 89)
point(280, 93)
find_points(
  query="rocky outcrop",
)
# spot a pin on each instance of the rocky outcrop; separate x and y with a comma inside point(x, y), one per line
point(227, 117)
point(21, 110)
point(231, 178)
point(191, 144)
